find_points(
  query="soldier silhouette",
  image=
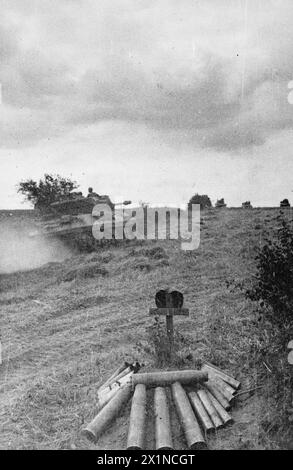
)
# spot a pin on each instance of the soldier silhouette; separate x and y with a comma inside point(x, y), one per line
point(91, 193)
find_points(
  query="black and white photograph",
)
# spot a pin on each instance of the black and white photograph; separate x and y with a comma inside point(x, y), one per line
point(146, 228)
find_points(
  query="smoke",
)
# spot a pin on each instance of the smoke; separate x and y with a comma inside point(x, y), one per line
point(19, 252)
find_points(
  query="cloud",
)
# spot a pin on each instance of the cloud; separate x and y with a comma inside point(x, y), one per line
point(215, 71)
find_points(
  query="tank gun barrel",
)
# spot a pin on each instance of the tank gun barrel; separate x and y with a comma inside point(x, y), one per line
point(124, 203)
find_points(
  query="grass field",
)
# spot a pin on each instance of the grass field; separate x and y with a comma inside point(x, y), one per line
point(65, 326)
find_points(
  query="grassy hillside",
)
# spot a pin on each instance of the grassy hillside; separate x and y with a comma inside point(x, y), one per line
point(64, 328)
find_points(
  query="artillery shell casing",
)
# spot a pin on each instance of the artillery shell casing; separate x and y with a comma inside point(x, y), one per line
point(113, 376)
point(108, 413)
point(221, 386)
point(213, 376)
point(191, 428)
point(157, 379)
point(218, 395)
point(228, 387)
point(225, 417)
point(115, 386)
point(119, 376)
point(106, 394)
point(162, 416)
point(227, 378)
point(201, 412)
point(137, 419)
point(204, 398)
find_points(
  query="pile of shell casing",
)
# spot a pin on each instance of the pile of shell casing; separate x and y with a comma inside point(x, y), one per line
point(202, 400)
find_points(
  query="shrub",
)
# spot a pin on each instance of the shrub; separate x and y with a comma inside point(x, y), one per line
point(273, 290)
point(203, 200)
point(273, 284)
point(48, 190)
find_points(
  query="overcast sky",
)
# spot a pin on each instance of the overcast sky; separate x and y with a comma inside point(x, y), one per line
point(148, 100)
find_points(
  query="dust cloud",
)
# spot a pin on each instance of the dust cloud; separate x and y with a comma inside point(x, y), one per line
point(19, 252)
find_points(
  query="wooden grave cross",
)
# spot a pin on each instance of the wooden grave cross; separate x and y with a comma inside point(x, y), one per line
point(169, 303)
